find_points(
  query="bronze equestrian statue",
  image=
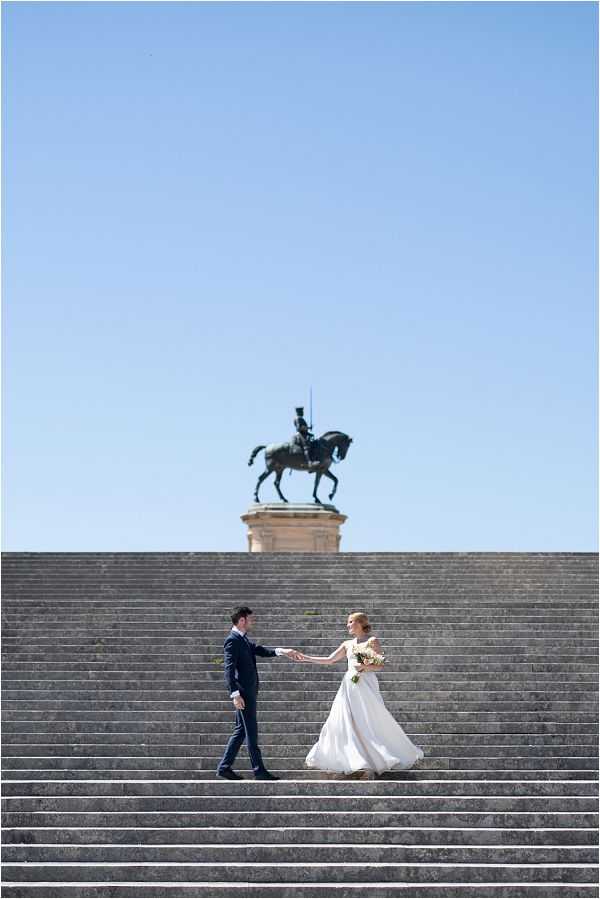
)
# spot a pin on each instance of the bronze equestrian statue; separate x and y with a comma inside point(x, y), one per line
point(303, 453)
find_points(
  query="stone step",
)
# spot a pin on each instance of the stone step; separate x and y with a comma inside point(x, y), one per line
point(220, 598)
point(466, 761)
point(143, 755)
point(323, 803)
point(310, 872)
point(310, 700)
point(297, 567)
point(18, 731)
point(295, 751)
point(300, 854)
point(317, 677)
point(392, 836)
point(380, 787)
point(310, 612)
point(154, 566)
point(276, 709)
point(55, 710)
point(272, 669)
point(391, 690)
point(304, 606)
point(214, 669)
point(300, 734)
point(313, 626)
point(217, 600)
point(327, 585)
point(285, 716)
point(427, 660)
point(314, 890)
point(329, 618)
point(409, 609)
point(285, 574)
point(105, 650)
point(343, 593)
point(427, 639)
point(417, 773)
point(505, 654)
point(107, 655)
point(170, 771)
point(407, 640)
point(212, 683)
point(125, 567)
point(240, 819)
point(136, 744)
point(114, 627)
point(491, 633)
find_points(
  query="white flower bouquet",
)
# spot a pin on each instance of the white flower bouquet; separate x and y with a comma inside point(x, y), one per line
point(366, 656)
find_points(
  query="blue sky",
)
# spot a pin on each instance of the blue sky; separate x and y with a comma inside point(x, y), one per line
point(210, 207)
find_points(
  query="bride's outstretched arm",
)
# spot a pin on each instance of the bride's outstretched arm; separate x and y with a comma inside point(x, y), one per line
point(340, 653)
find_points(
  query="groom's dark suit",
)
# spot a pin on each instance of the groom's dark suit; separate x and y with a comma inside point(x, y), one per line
point(241, 675)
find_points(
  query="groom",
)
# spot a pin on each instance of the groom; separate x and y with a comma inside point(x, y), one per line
point(241, 678)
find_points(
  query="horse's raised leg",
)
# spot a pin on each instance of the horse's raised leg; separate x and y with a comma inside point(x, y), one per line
point(317, 479)
point(261, 478)
point(335, 483)
point(278, 482)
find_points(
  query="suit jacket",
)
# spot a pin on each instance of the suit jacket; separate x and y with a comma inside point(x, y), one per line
point(240, 668)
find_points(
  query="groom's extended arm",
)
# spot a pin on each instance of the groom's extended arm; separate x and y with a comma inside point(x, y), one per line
point(268, 653)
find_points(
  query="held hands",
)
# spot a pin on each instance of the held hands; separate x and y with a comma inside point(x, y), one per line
point(293, 654)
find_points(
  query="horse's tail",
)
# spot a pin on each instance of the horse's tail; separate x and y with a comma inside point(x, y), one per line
point(255, 452)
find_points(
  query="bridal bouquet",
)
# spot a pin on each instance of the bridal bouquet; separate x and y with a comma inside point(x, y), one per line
point(366, 657)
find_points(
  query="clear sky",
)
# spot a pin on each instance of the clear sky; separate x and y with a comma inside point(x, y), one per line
point(209, 207)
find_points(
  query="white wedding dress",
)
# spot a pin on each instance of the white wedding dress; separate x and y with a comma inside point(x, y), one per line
point(360, 734)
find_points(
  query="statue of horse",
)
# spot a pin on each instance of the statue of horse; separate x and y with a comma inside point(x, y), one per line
point(332, 446)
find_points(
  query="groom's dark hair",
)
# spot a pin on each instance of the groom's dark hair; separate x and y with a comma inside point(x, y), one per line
point(240, 612)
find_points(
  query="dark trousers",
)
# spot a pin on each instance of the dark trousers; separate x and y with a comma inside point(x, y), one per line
point(246, 728)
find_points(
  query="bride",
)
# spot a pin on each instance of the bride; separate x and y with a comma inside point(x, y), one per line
point(359, 734)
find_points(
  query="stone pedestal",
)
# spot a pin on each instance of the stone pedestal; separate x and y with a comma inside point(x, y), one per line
point(293, 528)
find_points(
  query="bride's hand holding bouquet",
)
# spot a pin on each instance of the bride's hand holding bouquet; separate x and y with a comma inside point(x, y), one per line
point(368, 660)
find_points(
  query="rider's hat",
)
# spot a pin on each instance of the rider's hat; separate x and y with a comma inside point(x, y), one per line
point(300, 410)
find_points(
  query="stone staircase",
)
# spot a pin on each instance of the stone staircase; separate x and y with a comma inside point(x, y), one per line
point(115, 714)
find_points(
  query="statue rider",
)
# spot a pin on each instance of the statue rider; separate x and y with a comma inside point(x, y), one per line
point(303, 434)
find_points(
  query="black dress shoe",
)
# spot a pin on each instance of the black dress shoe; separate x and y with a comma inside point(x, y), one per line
point(229, 774)
point(265, 775)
